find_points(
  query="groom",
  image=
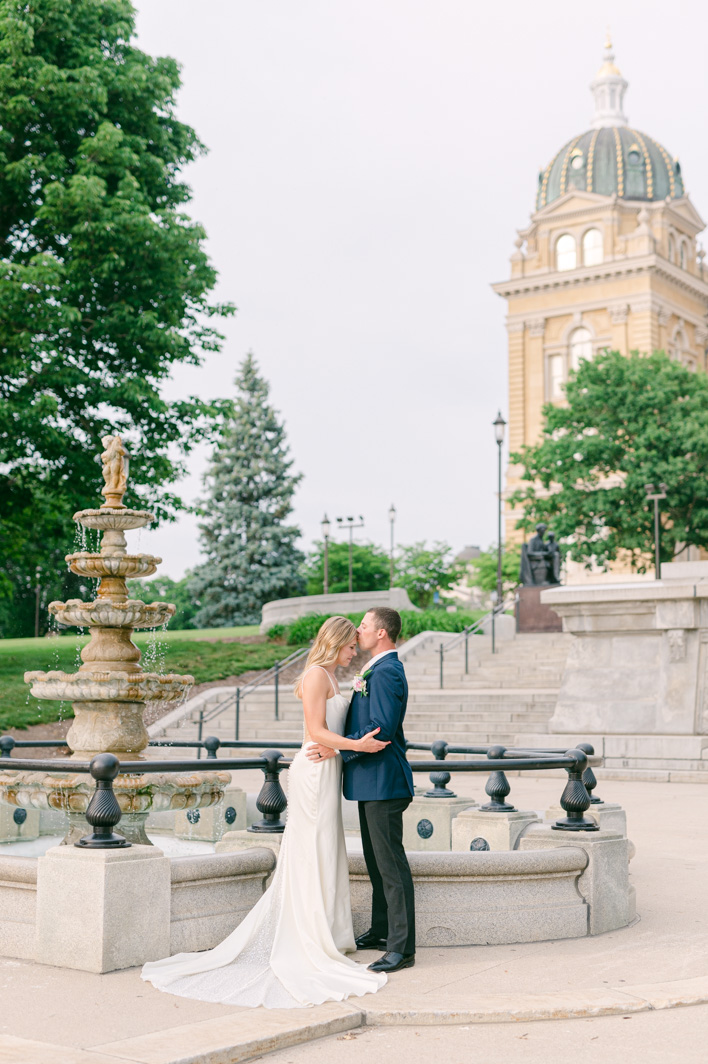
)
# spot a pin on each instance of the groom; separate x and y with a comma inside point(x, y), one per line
point(383, 785)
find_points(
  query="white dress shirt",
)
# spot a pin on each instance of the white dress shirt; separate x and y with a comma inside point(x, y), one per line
point(378, 657)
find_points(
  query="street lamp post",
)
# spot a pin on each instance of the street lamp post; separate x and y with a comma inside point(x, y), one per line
point(392, 519)
point(349, 523)
point(654, 495)
point(325, 536)
point(499, 426)
point(36, 601)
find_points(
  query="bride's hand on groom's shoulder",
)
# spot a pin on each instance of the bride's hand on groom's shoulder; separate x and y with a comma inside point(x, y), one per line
point(317, 752)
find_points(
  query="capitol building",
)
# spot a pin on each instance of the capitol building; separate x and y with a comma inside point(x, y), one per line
point(609, 260)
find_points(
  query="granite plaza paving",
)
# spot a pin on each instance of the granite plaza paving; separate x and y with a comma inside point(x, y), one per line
point(642, 989)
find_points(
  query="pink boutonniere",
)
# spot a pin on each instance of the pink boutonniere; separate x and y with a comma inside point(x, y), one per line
point(359, 684)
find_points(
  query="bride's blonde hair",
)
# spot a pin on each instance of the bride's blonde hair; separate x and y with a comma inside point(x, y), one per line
point(335, 633)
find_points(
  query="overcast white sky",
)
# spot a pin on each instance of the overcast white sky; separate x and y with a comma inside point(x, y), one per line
point(369, 162)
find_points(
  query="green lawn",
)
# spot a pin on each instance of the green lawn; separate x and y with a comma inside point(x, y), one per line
point(187, 651)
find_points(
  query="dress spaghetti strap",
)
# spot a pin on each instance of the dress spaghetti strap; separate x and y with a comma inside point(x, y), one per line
point(334, 689)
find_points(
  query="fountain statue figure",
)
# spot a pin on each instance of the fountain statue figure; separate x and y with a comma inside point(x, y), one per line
point(110, 689)
point(115, 471)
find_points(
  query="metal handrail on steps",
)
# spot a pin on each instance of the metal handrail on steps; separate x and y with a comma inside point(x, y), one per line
point(471, 629)
point(240, 693)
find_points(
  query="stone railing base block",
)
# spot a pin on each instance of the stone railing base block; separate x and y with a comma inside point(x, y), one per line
point(18, 824)
point(210, 824)
point(501, 831)
point(427, 822)
point(605, 882)
point(102, 910)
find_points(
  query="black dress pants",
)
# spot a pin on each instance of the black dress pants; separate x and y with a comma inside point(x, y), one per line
point(393, 904)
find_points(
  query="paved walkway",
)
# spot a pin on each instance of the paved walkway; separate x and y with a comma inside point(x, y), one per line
point(551, 1001)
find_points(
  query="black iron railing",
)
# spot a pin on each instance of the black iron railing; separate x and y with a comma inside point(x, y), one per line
point(104, 813)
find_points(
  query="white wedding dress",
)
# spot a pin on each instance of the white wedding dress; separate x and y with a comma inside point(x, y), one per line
point(288, 952)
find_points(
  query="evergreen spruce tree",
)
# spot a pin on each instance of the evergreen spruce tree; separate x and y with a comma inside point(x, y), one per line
point(251, 553)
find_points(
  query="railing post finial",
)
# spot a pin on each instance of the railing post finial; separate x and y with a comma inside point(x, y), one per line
point(589, 778)
point(211, 745)
point(440, 780)
point(103, 811)
point(271, 801)
point(7, 745)
point(497, 786)
point(575, 799)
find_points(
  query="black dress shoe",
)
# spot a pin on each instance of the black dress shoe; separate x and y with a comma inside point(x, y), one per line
point(370, 941)
point(393, 962)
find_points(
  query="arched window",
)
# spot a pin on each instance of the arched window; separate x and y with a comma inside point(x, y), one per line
point(683, 257)
point(580, 347)
point(672, 249)
point(679, 347)
point(592, 247)
point(555, 377)
point(566, 253)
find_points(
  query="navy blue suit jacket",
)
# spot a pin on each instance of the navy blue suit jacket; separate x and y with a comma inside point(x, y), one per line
point(372, 777)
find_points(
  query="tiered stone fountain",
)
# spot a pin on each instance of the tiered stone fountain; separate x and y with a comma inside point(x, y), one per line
point(110, 689)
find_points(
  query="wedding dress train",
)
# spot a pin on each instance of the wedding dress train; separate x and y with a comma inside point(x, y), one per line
point(288, 951)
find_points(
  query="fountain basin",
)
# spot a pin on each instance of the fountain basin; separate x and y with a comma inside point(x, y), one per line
point(109, 686)
point(88, 563)
point(103, 612)
point(113, 518)
point(138, 794)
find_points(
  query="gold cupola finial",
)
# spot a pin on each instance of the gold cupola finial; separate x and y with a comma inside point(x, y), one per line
point(608, 88)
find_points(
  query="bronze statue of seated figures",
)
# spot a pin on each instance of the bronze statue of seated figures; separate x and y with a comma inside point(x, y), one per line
point(540, 560)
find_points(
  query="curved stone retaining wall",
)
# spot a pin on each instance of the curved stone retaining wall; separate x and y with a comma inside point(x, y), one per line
point(487, 898)
point(283, 611)
point(553, 887)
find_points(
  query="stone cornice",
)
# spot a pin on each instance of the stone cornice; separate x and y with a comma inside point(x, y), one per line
point(638, 304)
point(645, 264)
point(547, 216)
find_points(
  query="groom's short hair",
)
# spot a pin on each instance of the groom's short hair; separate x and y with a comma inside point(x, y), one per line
point(388, 619)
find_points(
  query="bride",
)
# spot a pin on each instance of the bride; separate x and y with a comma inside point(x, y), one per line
point(289, 951)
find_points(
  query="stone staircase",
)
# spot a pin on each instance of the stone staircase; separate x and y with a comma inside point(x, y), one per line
point(499, 697)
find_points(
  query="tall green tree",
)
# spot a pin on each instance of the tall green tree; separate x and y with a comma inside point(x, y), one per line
point(164, 589)
point(251, 557)
point(104, 281)
point(484, 568)
point(371, 568)
point(629, 421)
point(423, 570)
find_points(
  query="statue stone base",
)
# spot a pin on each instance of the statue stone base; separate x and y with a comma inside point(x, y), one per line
point(532, 615)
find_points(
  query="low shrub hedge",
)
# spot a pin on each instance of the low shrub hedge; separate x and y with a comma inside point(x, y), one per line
point(304, 629)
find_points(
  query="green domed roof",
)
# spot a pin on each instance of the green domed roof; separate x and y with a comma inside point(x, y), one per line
point(612, 159)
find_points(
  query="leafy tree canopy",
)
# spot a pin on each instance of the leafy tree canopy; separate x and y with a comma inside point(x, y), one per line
point(371, 568)
point(163, 589)
point(251, 557)
point(424, 570)
point(629, 422)
point(104, 281)
point(484, 569)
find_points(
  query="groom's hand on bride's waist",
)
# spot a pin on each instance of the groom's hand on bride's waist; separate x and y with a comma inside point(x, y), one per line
point(317, 752)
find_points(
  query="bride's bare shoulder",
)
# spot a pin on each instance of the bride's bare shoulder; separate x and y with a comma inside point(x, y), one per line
point(315, 680)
